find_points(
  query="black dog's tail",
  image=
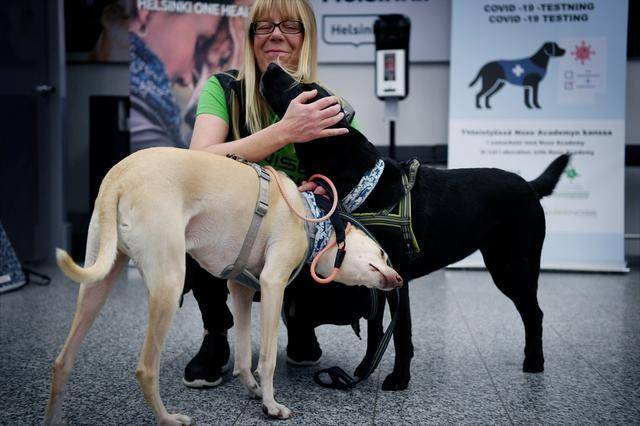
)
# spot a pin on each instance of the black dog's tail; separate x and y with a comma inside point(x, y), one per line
point(475, 79)
point(547, 181)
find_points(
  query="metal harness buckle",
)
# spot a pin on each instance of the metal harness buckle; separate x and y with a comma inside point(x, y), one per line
point(262, 208)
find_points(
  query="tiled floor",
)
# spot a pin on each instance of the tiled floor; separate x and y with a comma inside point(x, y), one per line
point(467, 367)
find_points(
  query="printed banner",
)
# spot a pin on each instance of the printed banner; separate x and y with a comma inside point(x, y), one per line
point(175, 46)
point(531, 80)
point(345, 29)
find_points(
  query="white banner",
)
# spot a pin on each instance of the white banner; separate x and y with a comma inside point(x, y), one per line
point(345, 29)
point(543, 79)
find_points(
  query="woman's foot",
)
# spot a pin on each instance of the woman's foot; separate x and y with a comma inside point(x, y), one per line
point(304, 354)
point(206, 368)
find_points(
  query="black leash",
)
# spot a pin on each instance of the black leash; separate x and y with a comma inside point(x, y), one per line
point(337, 377)
point(340, 379)
point(339, 228)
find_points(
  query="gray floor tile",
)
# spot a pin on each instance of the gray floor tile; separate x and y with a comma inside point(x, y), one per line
point(572, 389)
point(468, 342)
point(449, 383)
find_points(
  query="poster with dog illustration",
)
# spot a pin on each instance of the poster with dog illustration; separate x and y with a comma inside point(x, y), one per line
point(531, 80)
point(525, 72)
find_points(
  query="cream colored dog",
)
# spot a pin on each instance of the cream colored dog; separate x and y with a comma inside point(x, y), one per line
point(159, 203)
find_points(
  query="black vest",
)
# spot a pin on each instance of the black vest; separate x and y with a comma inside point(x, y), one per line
point(232, 86)
point(280, 160)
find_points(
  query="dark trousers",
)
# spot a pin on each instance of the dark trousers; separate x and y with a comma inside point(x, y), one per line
point(211, 295)
point(306, 305)
point(311, 305)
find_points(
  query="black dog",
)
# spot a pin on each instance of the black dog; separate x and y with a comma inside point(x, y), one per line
point(527, 72)
point(455, 212)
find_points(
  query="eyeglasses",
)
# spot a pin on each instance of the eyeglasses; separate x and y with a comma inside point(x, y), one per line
point(286, 27)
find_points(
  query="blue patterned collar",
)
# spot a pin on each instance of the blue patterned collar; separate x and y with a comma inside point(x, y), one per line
point(321, 233)
point(363, 189)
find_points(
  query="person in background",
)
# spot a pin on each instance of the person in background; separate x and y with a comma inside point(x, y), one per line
point(162, 51)
point(169, 54)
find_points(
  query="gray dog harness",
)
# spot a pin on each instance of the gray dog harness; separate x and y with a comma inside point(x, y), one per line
point(317, 234)
point(237, 271)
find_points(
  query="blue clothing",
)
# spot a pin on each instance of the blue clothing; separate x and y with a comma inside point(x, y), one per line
point(152, 101)
point(515, 71)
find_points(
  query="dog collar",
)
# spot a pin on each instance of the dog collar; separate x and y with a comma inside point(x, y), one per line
point(320, 232)
point(361, 191)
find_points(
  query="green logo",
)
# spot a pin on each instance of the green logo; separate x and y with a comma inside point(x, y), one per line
point(571, 173)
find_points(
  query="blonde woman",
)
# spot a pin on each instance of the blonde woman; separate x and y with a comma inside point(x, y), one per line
point(233, 118)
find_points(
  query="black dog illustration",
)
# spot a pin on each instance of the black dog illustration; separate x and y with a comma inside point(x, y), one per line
point(527, 72)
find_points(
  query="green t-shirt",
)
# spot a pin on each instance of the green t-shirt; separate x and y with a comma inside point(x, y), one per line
point(212, 101)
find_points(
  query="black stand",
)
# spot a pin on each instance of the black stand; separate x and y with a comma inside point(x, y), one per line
point(391, 114)
point(392, 139)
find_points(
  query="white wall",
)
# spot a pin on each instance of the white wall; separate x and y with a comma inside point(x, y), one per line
point(632, 174)
point(423, 115)
point(633, 103)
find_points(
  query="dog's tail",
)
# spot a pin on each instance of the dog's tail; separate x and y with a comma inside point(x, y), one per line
point(547, 181)
point(106, 215)
point(475, 79)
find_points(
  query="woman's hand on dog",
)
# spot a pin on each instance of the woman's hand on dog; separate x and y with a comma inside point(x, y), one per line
point(305, 121)
point(313, 187)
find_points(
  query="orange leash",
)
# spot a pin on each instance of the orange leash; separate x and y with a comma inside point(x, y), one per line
point(334, 272)
point(301, 215)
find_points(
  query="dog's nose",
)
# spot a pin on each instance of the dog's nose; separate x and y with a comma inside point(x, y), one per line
point(394, 280)
point(399, 280)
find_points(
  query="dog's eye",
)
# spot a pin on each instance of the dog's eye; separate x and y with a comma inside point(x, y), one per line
point(382, 253)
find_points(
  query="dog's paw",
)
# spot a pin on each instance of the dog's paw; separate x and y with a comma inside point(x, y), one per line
point(175, 420)
point(533, 365)
point(251, 385)
point(396, 381)
point(276, 411)
point(255, 391)
point(55, 422)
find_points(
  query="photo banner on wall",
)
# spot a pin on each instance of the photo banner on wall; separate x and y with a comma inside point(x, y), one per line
point(531, 80)
point(345, 29)
point(174, 47)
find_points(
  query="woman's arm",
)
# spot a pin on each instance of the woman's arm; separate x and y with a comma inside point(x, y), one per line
point(210, 132)
point(302, 122)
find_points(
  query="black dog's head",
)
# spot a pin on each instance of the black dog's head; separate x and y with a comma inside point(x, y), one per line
point(355, 153)
point(552, 49)
point(278, 88)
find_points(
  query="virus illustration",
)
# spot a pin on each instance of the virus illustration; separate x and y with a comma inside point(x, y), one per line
point(583, 52)
point(571, 173)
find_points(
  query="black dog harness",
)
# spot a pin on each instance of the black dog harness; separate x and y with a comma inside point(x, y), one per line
point(401, 218)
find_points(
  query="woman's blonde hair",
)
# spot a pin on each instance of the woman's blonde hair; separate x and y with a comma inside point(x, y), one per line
point(256, 108)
